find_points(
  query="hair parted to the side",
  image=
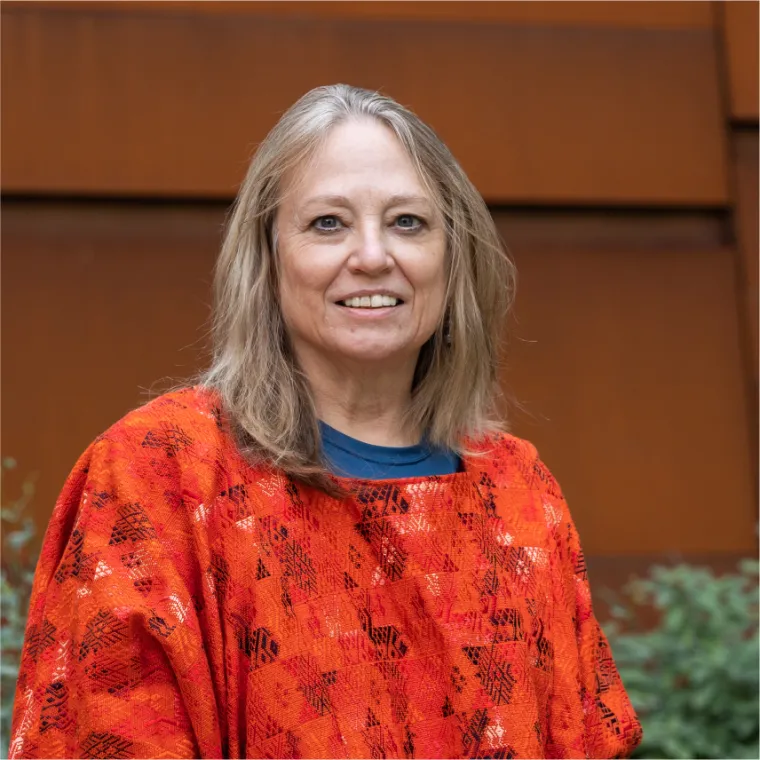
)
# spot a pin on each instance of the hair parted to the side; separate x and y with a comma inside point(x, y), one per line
point(265, 395)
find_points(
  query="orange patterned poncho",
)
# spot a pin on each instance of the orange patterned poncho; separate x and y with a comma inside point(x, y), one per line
point(189, 604)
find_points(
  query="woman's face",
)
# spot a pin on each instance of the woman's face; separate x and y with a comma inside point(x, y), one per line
point(361, 250)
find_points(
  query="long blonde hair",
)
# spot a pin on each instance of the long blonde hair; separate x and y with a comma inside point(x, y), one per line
point(265, 395)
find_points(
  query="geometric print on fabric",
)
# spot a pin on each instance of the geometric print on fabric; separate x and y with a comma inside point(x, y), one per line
point(397, 690)
point(170, 439)
point(476, 738)
point(314, 683)
point(519, 564)
point(101, 500)
point(299, 566)
point(76, 563)
point(382, 537)
point(388, 640)
point(139, 566)
point(544, 659)
point(380, 742)
point(605, 667)
point(133, 525)
point(284, 746)
point(160, 626)
point(381, 500)
point(112, 674)
point(491, 545)
point(103, 631)
point(261, 570)
point(263, 724)
point(408, 742)
point(508, 624)
point(257, 644)
point(580, 565)
point(546, 480)
point(473, 732)
point(54, 712)
point(273, 529)
point(493, 672)
point(486, 493)
point(107, 745)
point(39, 638)
point(191, 602)
point(489, 584)
point(234, 502)
point(608, 716)
point(220, 572)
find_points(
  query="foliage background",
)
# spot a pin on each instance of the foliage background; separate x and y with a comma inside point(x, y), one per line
point(693, 675)
point(20, 549)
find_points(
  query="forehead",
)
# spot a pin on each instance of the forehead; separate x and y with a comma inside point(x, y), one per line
point(357, 156)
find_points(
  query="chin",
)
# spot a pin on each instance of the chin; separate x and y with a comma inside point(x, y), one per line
point(377, 352)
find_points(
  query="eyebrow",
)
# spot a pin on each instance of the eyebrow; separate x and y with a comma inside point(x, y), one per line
point(341, 200)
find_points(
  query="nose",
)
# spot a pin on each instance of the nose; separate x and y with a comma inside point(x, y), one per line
point(370, 254)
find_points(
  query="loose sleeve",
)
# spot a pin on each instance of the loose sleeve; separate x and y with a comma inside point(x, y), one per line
point(588, 690)
point(113, 663)
point(611, 726)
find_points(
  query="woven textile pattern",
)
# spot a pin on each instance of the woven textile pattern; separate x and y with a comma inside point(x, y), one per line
point(187, 604)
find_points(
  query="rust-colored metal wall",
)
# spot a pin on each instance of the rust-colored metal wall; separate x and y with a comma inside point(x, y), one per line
point(120, 102)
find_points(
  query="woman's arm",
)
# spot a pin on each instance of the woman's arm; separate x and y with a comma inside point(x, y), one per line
point(113, 662)
point(587, 688)
point(611, 726)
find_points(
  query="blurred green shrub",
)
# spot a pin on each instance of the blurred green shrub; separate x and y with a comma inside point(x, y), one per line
point(19, 559)
point(693, 676)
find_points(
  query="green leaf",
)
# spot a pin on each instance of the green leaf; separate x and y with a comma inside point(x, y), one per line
point(693, 676)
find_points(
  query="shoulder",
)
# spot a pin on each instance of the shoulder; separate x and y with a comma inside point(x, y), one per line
point(133, 482)
point(170, 424)
point(525, 494)
point(514, 462)
point(179, 439)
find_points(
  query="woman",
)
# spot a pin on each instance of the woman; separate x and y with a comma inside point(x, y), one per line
point(326, 548)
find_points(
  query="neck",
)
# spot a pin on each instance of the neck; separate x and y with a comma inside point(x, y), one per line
point(365, 401)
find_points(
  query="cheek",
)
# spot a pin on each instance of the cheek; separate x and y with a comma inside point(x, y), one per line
point(430, 282)
point(301, 276)
point(296, 290)
point(305, 276)
point(288, 292)
point(291, 283)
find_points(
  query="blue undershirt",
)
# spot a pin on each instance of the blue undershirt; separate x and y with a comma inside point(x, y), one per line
point(350, 458)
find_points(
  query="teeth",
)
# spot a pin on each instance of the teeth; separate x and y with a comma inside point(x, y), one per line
point(375, 301)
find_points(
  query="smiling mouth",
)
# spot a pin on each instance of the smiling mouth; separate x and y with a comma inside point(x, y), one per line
point(370, 302)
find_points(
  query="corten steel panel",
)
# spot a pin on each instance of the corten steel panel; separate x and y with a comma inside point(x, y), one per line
point(627, 360)
point(625, 354)
point(170, 105)
point(747, 200)
point(620, 13)
point(745, 148)
point(100, 305)
point(740, 29)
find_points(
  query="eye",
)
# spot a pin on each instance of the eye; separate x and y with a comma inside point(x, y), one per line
point(327, 223)
point(408, 222)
